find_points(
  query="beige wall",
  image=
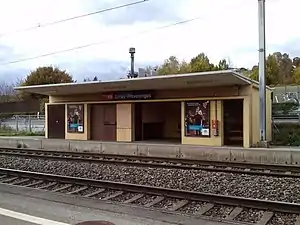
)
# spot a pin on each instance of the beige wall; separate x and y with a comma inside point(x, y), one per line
point(124, 122)
point(255, 116)
point(46, 120)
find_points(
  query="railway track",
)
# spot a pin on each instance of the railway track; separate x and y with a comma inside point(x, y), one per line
point(214, 166)
point(196, 204)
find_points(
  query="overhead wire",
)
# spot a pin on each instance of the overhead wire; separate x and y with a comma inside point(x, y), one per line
point(99, 43)
point(74, 17)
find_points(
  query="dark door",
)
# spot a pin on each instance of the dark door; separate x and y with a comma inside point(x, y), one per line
point(138, 122)
point(233, 122)
point(56, 121)
point(103, 122)
point(96, 122)
point(110, 122)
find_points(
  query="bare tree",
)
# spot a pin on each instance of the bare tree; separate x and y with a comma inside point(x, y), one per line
point(7, 92)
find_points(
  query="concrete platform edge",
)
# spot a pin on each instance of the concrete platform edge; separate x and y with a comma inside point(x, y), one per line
point(287, 156)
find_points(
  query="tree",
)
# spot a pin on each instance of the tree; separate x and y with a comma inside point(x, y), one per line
point(7, 92)
point(285, 68)
point(297, 75)
point(280, 68)
point(184, 67)
point(223, 65)
point(170, 66)
point(296, 62)
point(201, 63)
point(272, 71)
point(46, 75)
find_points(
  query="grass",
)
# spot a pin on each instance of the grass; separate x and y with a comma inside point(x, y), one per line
point(7, 131)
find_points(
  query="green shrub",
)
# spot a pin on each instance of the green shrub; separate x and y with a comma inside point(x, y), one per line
point(284, 108)
point(286, 135)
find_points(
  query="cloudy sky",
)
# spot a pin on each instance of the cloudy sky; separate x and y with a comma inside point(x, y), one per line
point(224, 29)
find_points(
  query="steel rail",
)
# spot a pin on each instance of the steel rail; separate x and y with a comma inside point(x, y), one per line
point(162, 162)
point(277, 206)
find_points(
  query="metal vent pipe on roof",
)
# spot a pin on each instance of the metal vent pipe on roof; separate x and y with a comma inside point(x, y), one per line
point(132, 52)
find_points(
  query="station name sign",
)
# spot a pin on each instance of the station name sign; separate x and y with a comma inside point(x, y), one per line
point(129, 95)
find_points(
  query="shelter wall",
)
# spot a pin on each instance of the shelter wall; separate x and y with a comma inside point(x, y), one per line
point(255, 115)
point(216, 95)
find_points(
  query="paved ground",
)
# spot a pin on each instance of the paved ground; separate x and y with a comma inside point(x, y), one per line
point(11, 221)
point(24, 206)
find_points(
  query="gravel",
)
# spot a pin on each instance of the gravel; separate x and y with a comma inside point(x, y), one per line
point(105, 194)
point(5, 178)
point(250, 215)
point(283, 219)
point(72, 188)
point(56, 186)
point(124, 197)
point(243, 185)
point(26, 183)
point(39, 185)
point(88, 191)
point(167, 203)
point(192, 208)
point(219, 212)
point(145, 200)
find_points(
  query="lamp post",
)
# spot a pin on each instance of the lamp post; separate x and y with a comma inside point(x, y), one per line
point(132, 52)
point(262, 70)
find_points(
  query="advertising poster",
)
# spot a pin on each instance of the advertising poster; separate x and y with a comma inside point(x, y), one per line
point(75, 118)
point(197, 119)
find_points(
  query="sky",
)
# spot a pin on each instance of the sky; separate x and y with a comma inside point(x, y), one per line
point(223, 29)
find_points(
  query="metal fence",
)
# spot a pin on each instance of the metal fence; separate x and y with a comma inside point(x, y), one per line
point(23, 123)
point(286, 93)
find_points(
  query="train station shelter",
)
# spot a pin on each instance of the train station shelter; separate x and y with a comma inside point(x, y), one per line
point(217, 108)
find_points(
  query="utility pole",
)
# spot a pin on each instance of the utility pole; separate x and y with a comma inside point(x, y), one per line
point(262, 71)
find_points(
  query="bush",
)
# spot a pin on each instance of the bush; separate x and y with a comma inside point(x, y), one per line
point(286, 135)
point(284, 108)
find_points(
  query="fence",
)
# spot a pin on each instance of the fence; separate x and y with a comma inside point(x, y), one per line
point(23, 123)
point(286, 93)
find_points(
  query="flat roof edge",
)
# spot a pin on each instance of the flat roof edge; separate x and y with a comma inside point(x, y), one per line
point(248, 79)
point(124, 80)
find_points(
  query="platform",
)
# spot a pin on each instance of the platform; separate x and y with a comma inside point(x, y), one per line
point(273, 155)
point(283, 155)
point(25, 206)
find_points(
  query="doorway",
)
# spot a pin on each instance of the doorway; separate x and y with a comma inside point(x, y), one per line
point(233, 122)
point(157, 121)
point(56, 121)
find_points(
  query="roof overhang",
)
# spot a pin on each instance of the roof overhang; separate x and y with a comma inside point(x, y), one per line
point(178, 81)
